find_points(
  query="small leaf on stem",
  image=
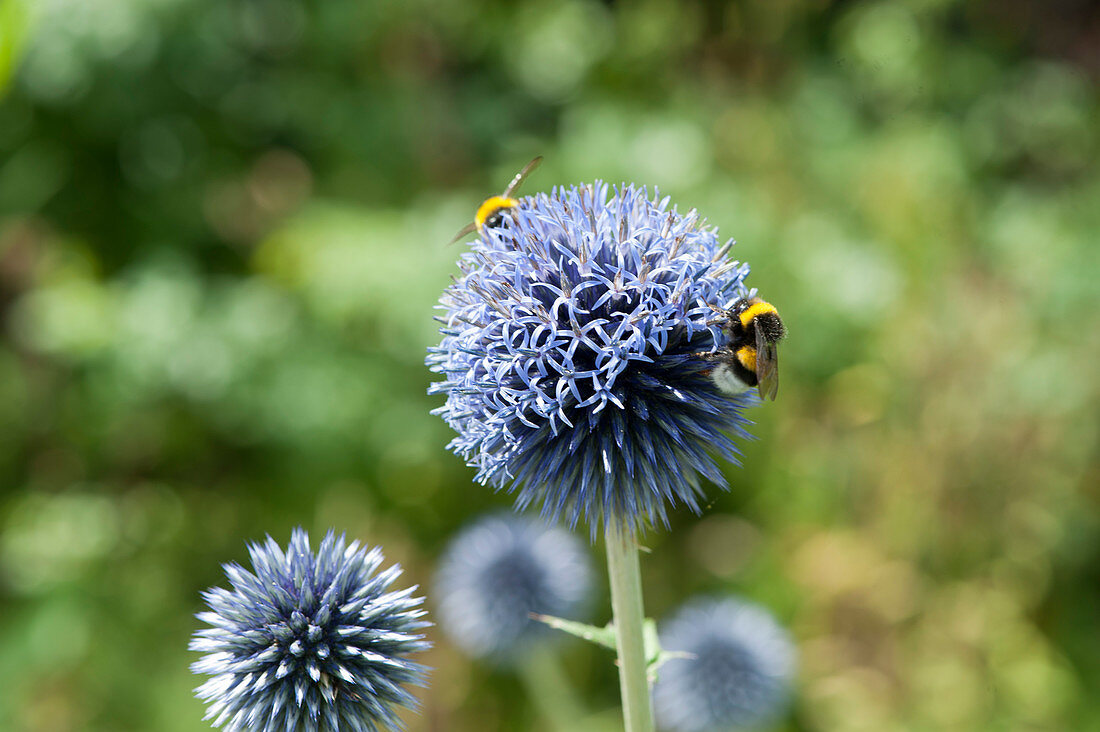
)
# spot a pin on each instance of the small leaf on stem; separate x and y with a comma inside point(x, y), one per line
point(604, 636)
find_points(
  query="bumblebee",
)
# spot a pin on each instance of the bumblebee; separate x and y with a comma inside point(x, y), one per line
point(751, 357)
point(491, 211)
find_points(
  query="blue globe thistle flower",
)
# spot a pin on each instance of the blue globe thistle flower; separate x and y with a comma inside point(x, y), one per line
point(567, 355)
point(739, 676)
point(497, 572)
point(309, 642)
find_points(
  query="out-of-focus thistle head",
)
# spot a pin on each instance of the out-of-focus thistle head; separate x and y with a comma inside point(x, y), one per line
point(497, 572)
point(309, 642)
point(568, 355)
point(740, 673)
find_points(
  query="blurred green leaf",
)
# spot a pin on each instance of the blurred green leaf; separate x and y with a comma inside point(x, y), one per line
point(14, 26)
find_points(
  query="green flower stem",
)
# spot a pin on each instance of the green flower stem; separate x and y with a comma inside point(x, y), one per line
point(626, 604)
point(550, 690)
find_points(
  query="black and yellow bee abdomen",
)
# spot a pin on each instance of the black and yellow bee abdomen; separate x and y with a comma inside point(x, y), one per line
point(745, 366)
point(746, 356)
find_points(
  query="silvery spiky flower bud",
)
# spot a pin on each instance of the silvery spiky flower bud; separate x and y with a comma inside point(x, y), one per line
point(309, 642)
point(569, 355)
point(497, 572)
point(738, 676)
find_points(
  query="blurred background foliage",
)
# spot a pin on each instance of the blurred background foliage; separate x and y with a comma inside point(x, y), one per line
point(222, 230)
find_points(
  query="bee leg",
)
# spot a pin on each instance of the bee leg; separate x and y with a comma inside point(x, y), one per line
point(722, 354)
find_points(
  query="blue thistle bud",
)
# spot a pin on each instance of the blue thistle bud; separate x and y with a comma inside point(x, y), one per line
point(497, 572)
point(309, 643)
point(740, 672)
point(569, 355)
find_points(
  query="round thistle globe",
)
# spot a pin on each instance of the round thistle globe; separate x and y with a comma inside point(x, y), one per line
point(310, 642)
point(498, 571)
point(738, 674)
point(567, 356)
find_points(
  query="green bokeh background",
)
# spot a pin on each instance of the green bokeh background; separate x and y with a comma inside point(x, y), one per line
point(222, 234)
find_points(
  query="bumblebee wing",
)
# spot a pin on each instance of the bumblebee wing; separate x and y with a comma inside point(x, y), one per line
point(520, 176)
point(466, 230)
point(767, 367)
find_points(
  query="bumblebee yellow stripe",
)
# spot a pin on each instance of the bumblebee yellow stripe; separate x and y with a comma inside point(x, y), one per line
point(490, 206)
point(747, 356)
point(752, 311)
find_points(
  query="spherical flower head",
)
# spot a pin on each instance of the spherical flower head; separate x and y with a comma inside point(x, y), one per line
point(497, 572)
point(310, 642)
point(738, 676)
point(569, 355)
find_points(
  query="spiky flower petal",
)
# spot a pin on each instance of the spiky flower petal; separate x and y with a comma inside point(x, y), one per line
point(739, 676)
point(309, 642)
point(497, 572)
point(568, 355)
